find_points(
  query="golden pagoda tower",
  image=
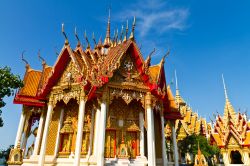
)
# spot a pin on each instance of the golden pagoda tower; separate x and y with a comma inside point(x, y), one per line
point(231, 133)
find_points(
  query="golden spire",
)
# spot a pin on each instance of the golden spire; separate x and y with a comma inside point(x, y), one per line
point(228, 110)
point(133, 30)
point(27, 66)
point(86, 38)
point(78, 40)
point(64, 34)
point(178, 97)
point(107, 38)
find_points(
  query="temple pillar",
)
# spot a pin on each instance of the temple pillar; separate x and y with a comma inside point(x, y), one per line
point(20, 128)
point(91, 133)
point(45, 133)
point(39, 133)
point(150, 132)
point(163, 143)
point(58, 132)
point(176, 155)
point(97, 125)
point(245, 156)
point(102, 129)
point(141, 125)
point(225, 157)
point(80, 124)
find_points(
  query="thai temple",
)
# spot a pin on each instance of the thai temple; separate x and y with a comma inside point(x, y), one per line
point(104, 105)
point(190, 124)
point(231, 133)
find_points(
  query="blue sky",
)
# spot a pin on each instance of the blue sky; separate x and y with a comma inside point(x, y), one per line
point(206, 39)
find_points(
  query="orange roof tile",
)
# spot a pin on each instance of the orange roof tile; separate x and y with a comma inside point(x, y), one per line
point(31, 83)
point(154, 72)
point(171, 99)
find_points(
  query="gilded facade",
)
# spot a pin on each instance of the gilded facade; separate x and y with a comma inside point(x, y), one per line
point(231, 133)
point(104, 105)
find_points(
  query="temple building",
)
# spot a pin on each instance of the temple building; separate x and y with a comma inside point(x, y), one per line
point(231, 133)
point(190, 124)
point(104, 105)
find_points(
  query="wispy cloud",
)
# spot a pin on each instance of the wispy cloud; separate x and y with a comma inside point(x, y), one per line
point(155, 16)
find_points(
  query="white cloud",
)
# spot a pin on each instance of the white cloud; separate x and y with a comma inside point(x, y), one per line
point(154, 15)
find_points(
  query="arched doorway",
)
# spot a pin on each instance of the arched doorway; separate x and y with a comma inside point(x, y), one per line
point(235, 157)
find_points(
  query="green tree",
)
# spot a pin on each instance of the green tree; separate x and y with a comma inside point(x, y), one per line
point(8, 83)
point(190, 144)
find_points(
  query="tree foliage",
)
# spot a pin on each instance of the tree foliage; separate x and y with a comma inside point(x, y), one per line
point(190, 144)
point(4, 153)
point(8, 83)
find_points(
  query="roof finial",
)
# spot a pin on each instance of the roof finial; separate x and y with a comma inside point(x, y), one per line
point(225, 89)
point(114, 39)
point(77, 38)
point(121, 35)
point(164, 57)
point(133, 30)
point(126, 32)
point(86, 38)
point(26, 62)
point(41, 58)
point(100, 42)
point(116, 36)
point(107, 38)
point(65, 36)
point(176, 81)
point(93, 37)
point(55, 49)
point(148, 60)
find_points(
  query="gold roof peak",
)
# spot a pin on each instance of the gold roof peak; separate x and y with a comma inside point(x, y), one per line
point(229, 112)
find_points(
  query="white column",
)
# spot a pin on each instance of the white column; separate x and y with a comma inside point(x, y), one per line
point(97, 126)
point(141, 125)
point(91, 132)
point(102, 129)
point(79, 132)
point(150, 132)
point(176, 155)
point(20, 129)
point(164, 155)
point(39, 133)
point(58, 132)
point(45, 134)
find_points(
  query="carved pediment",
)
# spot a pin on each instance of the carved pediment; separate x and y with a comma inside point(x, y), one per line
point(70, 75)
point(127, 73)
point(232, 142)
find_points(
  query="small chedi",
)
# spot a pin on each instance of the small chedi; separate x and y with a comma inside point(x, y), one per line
point(200, 159)
point(231, 133)
point(95, 106)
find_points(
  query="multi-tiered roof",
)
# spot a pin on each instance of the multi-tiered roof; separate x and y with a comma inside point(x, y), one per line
point(232, 128)
point(95, 67)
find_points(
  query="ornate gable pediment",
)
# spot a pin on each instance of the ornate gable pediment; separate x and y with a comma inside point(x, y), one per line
point(70, 75)
point(232, 142)
point(127, 74)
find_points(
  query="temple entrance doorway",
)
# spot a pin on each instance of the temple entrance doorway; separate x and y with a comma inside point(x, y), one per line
point(122, 129)
point(235, 157)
